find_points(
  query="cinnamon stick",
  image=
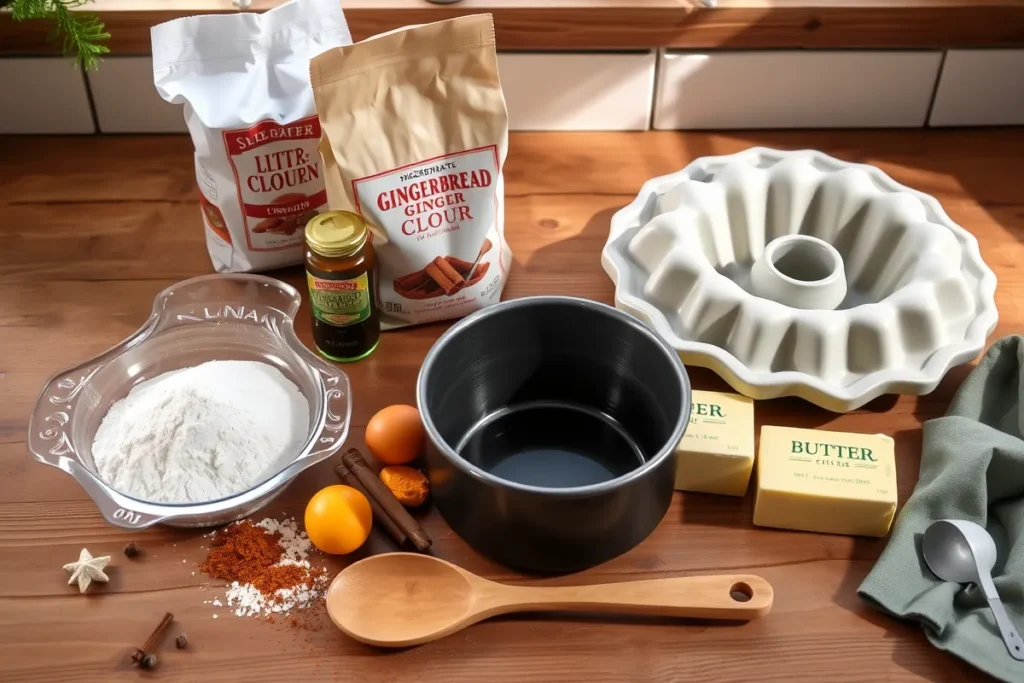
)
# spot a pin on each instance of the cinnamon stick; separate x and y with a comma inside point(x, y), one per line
point(354, 461)
point(448, 271)
point(380, 515)
point(440, 278)
point(460, 266)
point(413, 280)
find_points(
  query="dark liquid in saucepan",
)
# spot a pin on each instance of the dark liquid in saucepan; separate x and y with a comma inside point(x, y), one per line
point(551, 444)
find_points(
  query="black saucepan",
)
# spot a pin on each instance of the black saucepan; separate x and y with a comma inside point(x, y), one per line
point(551, 424)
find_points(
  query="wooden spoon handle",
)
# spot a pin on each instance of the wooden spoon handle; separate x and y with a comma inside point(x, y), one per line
point(738, 596)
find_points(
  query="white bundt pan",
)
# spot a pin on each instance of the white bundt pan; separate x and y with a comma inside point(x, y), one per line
point(797, 274)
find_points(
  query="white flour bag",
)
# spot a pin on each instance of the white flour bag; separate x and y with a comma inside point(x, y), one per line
point(415, 138)
point(244, 81)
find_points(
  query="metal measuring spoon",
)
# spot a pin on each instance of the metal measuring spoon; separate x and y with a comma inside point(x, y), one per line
point(964, 552)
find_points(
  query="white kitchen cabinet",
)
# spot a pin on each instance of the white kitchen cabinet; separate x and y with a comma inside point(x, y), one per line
point(43, 95)
point(794, 89)
point(127, 101)
point(578, 91)
point(980, 88)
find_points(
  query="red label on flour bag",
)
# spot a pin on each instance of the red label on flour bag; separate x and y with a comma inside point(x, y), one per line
point(277, 172)
point(243, 79)
point(423, 170)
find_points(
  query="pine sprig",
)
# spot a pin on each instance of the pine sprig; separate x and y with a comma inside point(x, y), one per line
point(81, 34)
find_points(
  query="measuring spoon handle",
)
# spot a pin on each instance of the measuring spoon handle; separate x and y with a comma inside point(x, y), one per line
point(1014, 643)
point(738, 596)
point(1012, 639)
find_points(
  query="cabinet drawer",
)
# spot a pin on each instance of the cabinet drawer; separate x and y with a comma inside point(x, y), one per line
point(44, 95)
point(794, 89)
point(126, 100)
point(578, 91)
point(980, 88)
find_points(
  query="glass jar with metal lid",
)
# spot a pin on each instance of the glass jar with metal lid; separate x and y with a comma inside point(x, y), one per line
point(341, 271)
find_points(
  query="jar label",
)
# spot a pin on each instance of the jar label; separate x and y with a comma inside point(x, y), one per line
point(340, 302)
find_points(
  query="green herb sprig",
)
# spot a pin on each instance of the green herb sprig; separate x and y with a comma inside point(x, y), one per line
point(82, 34)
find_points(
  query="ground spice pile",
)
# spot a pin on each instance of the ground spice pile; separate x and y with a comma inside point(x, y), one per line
point(266, 567)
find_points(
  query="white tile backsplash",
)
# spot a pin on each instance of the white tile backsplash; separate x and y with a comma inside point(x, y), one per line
point(43, 95)
point(794, 89)
point(577, 91)
point(605, 91)
point(980, 88)
point(126, 100)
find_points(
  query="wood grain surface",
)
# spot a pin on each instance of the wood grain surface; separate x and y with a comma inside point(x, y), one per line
point(611, 24)
point(92, 228)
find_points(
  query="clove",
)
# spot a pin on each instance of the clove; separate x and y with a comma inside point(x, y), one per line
point(143, 656)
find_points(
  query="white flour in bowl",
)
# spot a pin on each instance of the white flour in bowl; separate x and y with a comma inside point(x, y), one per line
point(201, 433)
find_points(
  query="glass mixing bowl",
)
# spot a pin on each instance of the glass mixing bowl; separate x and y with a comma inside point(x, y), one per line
point(214, 317)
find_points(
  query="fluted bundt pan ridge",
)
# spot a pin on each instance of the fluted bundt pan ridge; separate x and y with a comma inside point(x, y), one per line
point(797, 274)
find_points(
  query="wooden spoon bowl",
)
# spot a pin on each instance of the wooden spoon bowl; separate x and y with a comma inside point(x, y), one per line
point(404, 599)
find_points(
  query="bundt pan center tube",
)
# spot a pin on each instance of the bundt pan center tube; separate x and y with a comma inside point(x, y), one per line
point(800, 271)
point(551, 424)
point(797, 274)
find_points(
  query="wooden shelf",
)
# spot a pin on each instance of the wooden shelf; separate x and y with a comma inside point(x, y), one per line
point(615, 24)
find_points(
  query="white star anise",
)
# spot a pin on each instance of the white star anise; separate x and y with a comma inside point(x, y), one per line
point(87, 570)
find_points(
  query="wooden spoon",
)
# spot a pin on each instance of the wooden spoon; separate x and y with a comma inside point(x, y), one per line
point(403, 599)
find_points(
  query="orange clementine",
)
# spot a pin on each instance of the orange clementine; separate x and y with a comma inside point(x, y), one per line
point(395, 435)
point(338, 519)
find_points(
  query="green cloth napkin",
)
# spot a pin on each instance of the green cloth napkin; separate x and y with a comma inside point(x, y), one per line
point(972, 468)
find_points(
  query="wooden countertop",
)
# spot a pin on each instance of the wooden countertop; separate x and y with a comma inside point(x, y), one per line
point(93, 227)
point(610, 24)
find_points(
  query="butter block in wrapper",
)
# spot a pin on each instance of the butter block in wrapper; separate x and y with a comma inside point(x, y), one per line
point(716, 455)
point(827, 482)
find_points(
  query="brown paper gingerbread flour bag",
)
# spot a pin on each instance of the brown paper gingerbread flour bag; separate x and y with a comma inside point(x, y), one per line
point(414, 136)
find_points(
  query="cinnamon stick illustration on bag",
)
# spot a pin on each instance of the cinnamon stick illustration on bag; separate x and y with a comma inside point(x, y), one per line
point(442, 276)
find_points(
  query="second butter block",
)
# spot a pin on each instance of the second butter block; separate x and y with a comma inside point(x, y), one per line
point(716, 454)
point(828, 482)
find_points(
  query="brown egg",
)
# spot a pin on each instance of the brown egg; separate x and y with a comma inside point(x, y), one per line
point(395, 435)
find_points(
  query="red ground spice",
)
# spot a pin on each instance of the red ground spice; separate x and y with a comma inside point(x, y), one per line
point(287, 576)
point(248, 553)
